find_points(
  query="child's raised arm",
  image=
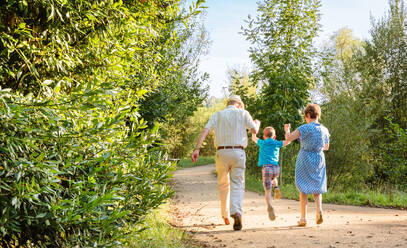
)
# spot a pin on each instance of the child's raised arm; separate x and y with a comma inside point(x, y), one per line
point(254, 138)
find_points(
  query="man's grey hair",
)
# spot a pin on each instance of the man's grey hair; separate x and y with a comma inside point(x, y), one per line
point(232, 102)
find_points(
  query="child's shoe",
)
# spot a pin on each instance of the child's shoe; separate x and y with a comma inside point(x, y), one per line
point(270, 210)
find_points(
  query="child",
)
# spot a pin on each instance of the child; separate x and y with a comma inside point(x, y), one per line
point(268, 159)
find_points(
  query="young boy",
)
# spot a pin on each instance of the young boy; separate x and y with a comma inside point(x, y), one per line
point(268, 159)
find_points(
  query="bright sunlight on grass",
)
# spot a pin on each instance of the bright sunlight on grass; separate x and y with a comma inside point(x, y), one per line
point(364, 198)
point(187, 163)
point(159, 233)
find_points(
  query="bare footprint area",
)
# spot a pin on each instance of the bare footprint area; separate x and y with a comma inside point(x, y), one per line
point(195, 208)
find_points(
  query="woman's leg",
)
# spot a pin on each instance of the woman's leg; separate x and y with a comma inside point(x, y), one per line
point(318, 207)
point(303, 206)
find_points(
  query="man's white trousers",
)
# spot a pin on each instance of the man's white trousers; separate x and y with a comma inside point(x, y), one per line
point(230, 167)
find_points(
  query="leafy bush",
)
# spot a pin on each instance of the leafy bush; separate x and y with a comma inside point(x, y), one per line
point(74, 181)
point(77, 164)
point(183, 136)
point(391, 169)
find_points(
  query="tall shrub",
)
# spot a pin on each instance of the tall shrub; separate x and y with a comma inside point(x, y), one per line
point(383, 75)
point(78, 166)
point(349, 156)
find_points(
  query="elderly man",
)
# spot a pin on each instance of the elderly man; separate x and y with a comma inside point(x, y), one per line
point(230, 127)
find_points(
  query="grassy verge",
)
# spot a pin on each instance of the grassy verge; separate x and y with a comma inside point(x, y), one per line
point(159, 233)
point(363, 198)
point(187, 163)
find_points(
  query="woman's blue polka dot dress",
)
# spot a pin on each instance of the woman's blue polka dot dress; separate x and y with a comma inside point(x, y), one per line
point(310, 170)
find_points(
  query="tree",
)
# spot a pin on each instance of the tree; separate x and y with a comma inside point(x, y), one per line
point(349, 156)
point(282, 36)
point(364, 85)
point(239, 81)
point(382, 67)
point(180, 92)
point(383, 76)
point(282, 53)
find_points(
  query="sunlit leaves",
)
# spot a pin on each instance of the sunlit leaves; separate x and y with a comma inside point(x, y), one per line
point(77, 162)
point(282, 35)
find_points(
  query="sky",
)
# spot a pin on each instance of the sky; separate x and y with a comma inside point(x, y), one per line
point(229, 49)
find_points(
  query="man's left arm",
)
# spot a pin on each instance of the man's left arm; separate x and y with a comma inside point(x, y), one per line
point(254, 138)
point(250, 124)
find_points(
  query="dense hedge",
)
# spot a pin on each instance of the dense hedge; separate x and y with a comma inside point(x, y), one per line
point(79, 167)
point(66, 181)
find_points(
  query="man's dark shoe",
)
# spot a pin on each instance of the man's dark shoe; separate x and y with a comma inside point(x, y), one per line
point(238, 221)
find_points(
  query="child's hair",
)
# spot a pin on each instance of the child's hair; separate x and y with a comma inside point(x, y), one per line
point(313, 110)
point(269, 132)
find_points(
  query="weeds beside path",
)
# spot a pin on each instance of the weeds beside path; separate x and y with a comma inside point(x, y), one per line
point(195, 208)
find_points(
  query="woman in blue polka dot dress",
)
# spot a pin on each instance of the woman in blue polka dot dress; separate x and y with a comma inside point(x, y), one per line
point(310, 170)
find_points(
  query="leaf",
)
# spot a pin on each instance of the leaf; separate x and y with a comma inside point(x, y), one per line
point(47, 82)
point(41, 215)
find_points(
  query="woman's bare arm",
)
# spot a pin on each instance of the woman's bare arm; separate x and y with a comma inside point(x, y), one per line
point(292, 136)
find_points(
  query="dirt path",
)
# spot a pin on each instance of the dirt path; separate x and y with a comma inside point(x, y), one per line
point(195, 208)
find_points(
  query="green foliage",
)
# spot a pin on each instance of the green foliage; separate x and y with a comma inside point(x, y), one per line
point(183, 136)
point(239, 81)
point(62, 43)
point(282, 52)
point(282, 35)
point(364, 84)
point(348, 159)
point(383, 74)
point(181, 91)
point(187, 162)
point(78, 166)
point(383, 77)
point(358, 197)
point(70, 180)
point(159, 233)
point(393, 163)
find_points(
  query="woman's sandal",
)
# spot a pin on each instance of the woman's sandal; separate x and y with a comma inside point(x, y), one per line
point(302, 222)
point(319, 218)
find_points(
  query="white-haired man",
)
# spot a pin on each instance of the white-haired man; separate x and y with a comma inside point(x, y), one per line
point(230, 127)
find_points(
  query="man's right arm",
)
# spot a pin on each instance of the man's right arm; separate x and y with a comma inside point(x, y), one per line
point(201, 138)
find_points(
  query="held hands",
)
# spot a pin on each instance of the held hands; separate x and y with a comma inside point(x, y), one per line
point(257, 122)
point(195, 155)
point(287, 128)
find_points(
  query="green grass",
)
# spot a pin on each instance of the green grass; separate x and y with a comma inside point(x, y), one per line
point(187, 163)
point(159, 233)
point(362, 198)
